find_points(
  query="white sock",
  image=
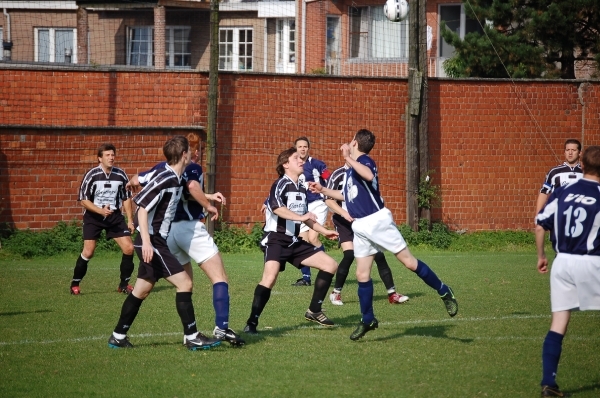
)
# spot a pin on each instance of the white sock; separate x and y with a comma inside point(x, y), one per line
point(119, 336)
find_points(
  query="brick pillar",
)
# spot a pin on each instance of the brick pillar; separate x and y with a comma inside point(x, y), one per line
point(82, 36)
point(159, 37)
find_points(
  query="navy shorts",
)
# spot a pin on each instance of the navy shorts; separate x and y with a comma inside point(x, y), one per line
point(282, 248)
point(343, 228)
point(163, 263)
point(114, 225)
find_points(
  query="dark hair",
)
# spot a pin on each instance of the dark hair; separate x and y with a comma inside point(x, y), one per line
point(302, 139)
point(106, 147)
point(365, 140)
point(590, 161)
point(174, 149)
point(573, 141)
point(282, 159)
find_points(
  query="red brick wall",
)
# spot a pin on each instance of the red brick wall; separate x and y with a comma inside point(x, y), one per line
point(491, 142)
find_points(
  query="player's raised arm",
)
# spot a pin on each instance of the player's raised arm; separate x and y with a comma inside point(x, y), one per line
point(315, 187)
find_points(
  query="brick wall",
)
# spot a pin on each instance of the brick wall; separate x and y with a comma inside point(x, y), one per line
point(491, 142)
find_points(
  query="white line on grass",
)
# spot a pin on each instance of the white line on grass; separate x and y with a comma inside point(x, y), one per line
point(413, 322)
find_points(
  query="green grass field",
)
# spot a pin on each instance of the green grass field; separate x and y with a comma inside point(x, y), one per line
point(54, 344)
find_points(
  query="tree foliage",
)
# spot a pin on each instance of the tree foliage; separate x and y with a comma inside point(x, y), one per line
point(526, 39)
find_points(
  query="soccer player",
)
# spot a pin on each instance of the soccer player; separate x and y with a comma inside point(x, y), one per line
point(287, 208)
point(188, 239)
point(564, 174)
point(157, 204)
point(103, 194)
point(314, 170)
point(572, 216)
point(374, 229)
point(343, 225)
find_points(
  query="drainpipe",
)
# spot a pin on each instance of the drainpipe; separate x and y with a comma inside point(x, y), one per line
point(303, 65)
point(7, 44)
point(304, 3)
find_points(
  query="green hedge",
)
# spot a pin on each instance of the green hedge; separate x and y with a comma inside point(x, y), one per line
point(67, 238)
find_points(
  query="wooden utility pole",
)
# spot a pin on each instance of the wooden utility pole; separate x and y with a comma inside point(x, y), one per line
point(213, 97)
point(417, 152)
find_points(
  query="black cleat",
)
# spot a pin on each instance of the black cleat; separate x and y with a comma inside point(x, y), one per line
point(301, 282)
point(363, 328)
point(318, 317)
point(548, 391)
point(229, 336)
point(250, 329)
point(113, 342)
point(450, 302)
point(201, 342)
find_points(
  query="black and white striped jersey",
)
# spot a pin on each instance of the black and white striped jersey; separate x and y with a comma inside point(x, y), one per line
point(560, 176)
point(160, 197)
point(105, 189)
point(285, 193)
point(336, 182)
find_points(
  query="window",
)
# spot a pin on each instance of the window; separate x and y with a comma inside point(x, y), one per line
point(178, 47)
point(372, 35)
point(456, 20)
point(53, 44)
point(140, 48)
point(286, 46)
point(1, 40)
point(235, 49)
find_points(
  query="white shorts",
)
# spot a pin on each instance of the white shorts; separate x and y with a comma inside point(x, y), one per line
point(575, 282)
point(319, 209)
point(375, 233)
point(190, 240)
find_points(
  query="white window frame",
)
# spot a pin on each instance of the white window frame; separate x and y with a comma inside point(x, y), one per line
point(366, 41)
point(52, 44)
point(285, 59)
point(1, 40)
point(462, 30)
point(235, 55)
point(150, 42)
point(170, 52)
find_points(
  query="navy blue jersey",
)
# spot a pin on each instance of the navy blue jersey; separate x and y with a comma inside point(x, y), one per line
point(104, 189)
point(160, 197)
point(314, 171)
point(187, 209)
point(560, 176)
point(285, 193)
point(337, 181)
point(362, 197)
point(572, 214)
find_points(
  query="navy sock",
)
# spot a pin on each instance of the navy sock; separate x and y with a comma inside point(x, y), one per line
point(221, 304)
point(185, 309)
point(365, 297)
point(305, 273)
point(430, 278)
point(550, 356)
